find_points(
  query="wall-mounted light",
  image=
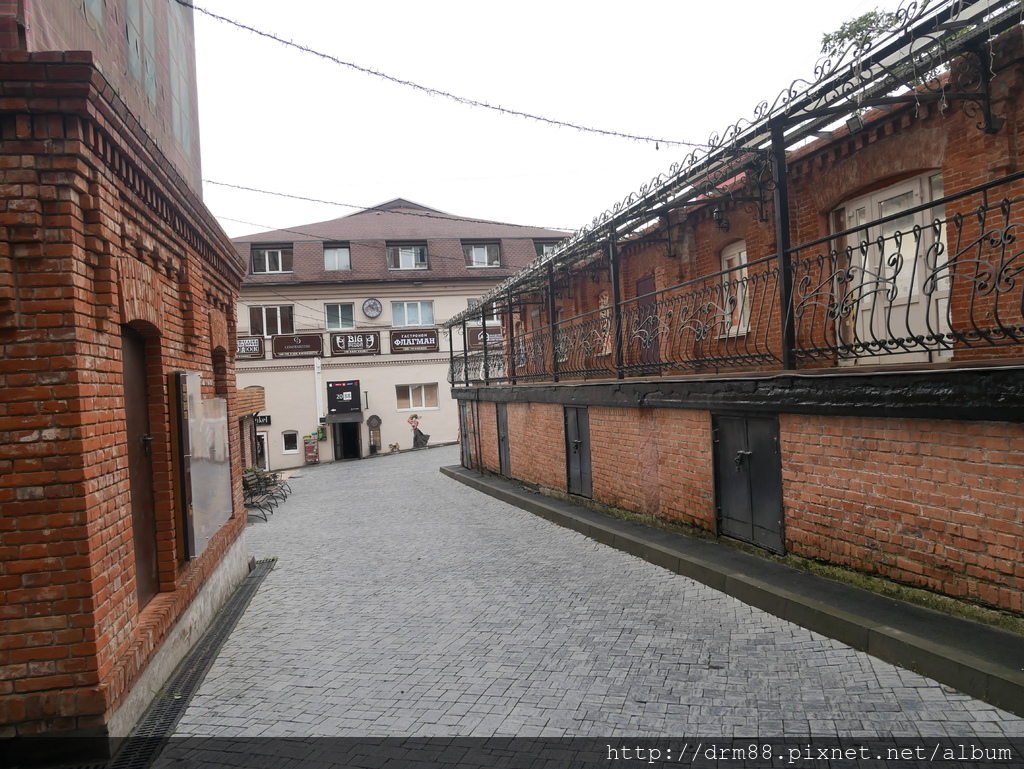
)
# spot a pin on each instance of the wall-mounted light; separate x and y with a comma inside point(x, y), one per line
point(718, 215)
point(854, 124)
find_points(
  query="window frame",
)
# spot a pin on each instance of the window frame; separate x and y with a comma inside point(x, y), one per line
point(491, 255)
point(285, 434)
point(341, 326)
point(421, 386)
point(737, 250)
point(496, 317)
point(404, 304)
point(394, 256)
point(283, 254)
point(348, 257)
point(262, 308)
point(545, 247)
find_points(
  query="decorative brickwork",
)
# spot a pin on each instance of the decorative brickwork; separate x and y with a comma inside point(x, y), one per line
point(98, 234)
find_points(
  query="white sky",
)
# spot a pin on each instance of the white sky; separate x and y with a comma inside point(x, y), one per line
point(277, 119)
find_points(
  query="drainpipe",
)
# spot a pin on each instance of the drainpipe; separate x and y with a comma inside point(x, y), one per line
point(551, 322)
point(451, 355)
point(613, 276)
point(782, 243)
point(511, 341)
point(483, 328)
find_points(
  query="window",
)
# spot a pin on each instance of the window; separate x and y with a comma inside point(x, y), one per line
point(416, 396)
point(337, 258)
point(483, 255)
point(267, 320)
point(411, 257)
point(139, 28)
point(290, 442)
point(735, 302)
point(494, 316)
point(412, 313)
point(543, 249)
point(340, 316)
point(267, 260)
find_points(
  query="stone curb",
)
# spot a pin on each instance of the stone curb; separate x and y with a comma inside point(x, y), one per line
point(982, 661)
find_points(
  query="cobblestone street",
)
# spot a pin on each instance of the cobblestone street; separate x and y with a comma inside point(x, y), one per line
point(404, 603)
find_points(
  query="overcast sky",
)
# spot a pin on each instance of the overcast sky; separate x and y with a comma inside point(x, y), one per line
point(277, 119)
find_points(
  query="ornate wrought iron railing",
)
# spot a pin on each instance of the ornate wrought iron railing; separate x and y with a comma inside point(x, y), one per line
point(943, 280)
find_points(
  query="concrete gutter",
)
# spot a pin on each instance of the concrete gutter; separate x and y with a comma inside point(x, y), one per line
point(979, 660)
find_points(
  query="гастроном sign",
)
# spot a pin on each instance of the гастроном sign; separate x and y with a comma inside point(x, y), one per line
point(424, 340)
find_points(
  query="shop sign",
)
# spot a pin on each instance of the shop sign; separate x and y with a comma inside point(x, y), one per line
point(343, 397)
point(424, 340)
point(355, 344)
point(476, 338)
point(298, 346)
point(250, 347)
point(262, 420)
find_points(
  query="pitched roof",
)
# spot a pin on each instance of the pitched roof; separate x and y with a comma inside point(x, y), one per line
point(397, 220)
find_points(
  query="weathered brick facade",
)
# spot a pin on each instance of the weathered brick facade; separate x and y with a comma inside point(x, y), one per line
point(101, 241)
point(898, 453)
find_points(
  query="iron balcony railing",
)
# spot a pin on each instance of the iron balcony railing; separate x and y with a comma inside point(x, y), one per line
point(937, 282)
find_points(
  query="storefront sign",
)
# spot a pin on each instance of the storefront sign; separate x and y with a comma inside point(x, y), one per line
point(250, 347)
point(343, 397)
point(355, 344)
point(262, 419)
point(424, 340)
point(298, 346)
point(476, 338)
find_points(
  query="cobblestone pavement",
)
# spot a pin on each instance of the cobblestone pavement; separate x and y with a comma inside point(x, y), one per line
point(406, 604)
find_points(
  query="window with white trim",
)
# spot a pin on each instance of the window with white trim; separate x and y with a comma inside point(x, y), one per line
point(494, 313)
point(271, 260)
point(290, 442)
point(339, 316)
point(412, 313)
point(337, 258)
point(482, 254)
point(416, 396)
point(544, 248)
point(735, 302)
point(268, 320)
point(407, 257)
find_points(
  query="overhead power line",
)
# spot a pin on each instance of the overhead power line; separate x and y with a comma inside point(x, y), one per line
point(444, 94)
point(420, 214)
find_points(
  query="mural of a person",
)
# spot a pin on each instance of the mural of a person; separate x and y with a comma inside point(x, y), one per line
point(419, 440)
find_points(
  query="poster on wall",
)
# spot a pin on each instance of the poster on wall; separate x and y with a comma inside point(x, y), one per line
point(343, 397)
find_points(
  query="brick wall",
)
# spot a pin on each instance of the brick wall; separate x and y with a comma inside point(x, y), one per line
point(930, 503)
point(97, 233)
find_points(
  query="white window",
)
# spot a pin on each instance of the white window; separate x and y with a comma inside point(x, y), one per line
point(337, 258)
point(267, 320)
point(290, 442)
point(483, 255)
point(271, 260)
point(340, 316)
point(411, 257)
point(543, 249)
point(735, 301)
point(412, 313)
point(494, 315)
point(416, 396)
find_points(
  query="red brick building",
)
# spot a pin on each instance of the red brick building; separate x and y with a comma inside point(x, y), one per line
point(117, 290)
point(808, 337)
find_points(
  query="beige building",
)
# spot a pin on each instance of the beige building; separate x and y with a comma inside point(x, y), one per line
point(340, 323)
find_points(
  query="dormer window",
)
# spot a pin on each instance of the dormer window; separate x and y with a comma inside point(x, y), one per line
point(482, 254)
point(271, 260)
point(407, 257)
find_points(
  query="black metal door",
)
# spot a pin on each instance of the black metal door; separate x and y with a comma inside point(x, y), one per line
point(503, 453)
point(748, 480)
point(346, 440)
point(577, 450)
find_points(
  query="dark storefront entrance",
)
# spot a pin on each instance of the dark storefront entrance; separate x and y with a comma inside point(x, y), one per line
point(346, 440)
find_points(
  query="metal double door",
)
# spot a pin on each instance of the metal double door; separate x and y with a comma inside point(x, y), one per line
point(748, 480)
point(579, 478)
